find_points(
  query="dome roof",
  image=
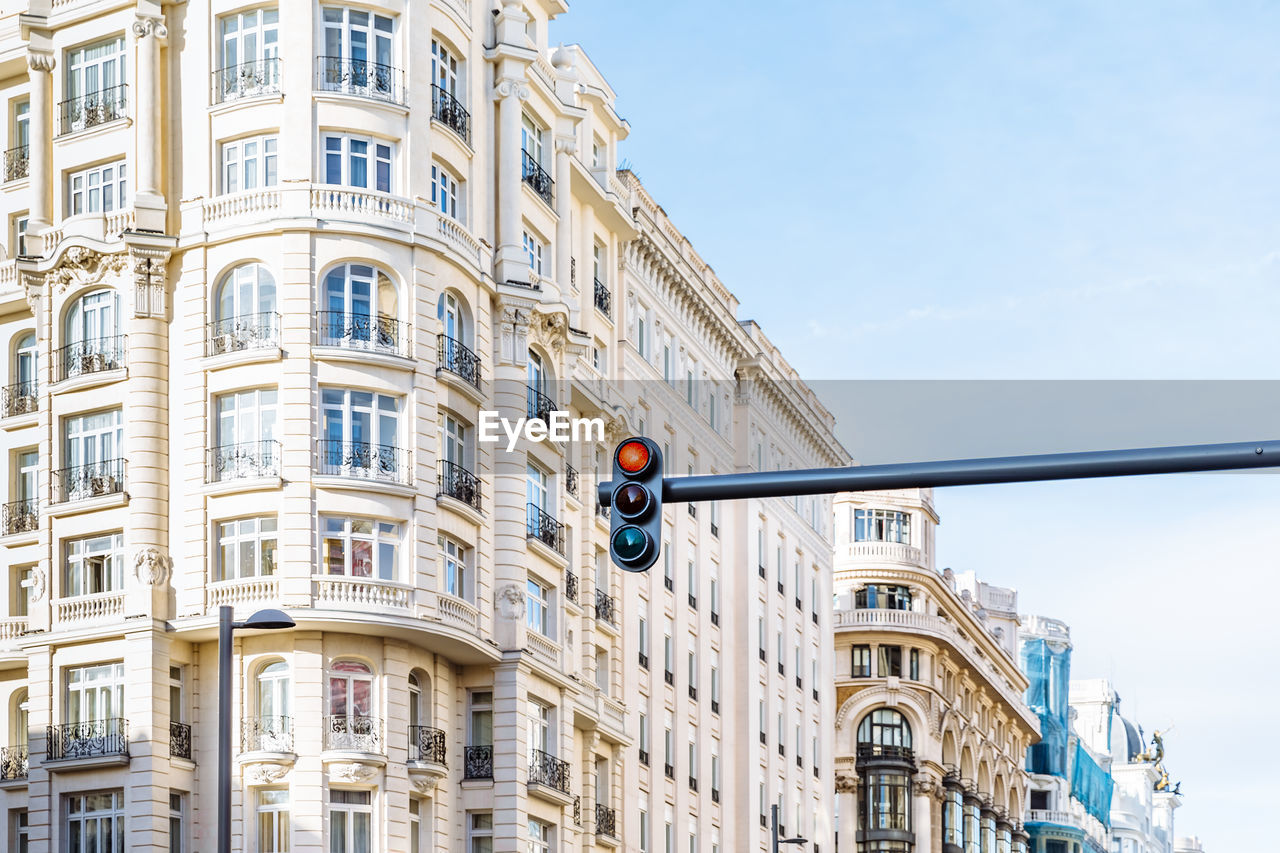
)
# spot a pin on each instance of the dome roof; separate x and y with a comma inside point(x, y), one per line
point(1132, 738)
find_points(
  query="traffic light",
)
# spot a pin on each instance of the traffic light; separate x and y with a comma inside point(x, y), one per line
point(635, 535)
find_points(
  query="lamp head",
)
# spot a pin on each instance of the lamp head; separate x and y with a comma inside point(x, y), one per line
point(268, 620)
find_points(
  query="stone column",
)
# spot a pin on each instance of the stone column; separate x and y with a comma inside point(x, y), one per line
point(566, 147)
point(511, 262)
point(846, 795)
point(146, 698)
point(149, 32)
point(510, 759)
point(40, 163)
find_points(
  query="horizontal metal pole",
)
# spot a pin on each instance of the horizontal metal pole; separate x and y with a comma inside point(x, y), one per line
point(969, 472)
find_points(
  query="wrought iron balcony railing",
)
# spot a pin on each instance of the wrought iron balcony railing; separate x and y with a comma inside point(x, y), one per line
point(179, 740)
point(545, 529)
point(376, 333)
point(17, 162)
point(363, 461)
point(353, 733)
point(458, 483)
point(20, 398)
point(426, 744)
point(537, 178)
point(545, 769)
point(603, 297)
point(571, 587)
point(256, 77)
point(94, 355)
point(21, 516)
point(447, 109)
point(884, 750)
point(477, 762)
point(93, 108)
point(571, 480)
point(539, 406)
point(606, 821)
point(266, 734)
point(90, 739)
point(577, 811)
point(360, 77)
point(92, 480)
point(14, 763)
point(606, 607)
point(453, 356)
point(246, 460)
point(243, 332)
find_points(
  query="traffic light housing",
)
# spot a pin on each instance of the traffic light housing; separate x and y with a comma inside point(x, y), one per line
point(635, 534)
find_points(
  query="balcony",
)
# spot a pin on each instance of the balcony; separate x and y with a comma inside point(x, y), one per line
point(456, 358)
point(606, 821)
point(17, 162)
point(93, 739)
point(537, 178)
point(426, 755)
point(247, 80)
point(243, 333)
point(540, 406)
point(362, 461)
point(446, 109)
point(93, 480)
point(19, 399)
point(362, 78)
point(477, 762)
point(93, 607)
point(352, 733)
point(14, 763)
point(458, 483)
point(93, 109)
point(96, 355)
point(380, 333)
point(603, 297)
point(20, 517)
point(266, 734)
point(544, 529)
point(571, 587)
point(247, 460)
point(571, 481)
point(549, 772)
point(882, 753)
point(606, 607)
point(336, 592)
point(179, 740)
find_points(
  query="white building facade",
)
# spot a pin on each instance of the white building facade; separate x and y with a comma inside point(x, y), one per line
point(266, 265)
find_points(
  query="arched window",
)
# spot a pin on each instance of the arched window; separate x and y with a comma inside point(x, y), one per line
point(425, 743)
point(453, 323)
point(884, 727)
point(351, 724)
point(246, 311)
point(21, 397)
point(272, 729)
point(538, 379)
point(886, 766)
point(20, 724)
point(92, 335)
point(455, 351)
point(882, 597)
point(359, 309)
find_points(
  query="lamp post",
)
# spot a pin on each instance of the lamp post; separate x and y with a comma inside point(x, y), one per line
point(774, 830)
point(263, 620)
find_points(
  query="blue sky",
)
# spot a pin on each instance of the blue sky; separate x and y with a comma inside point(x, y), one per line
point(1012, 190)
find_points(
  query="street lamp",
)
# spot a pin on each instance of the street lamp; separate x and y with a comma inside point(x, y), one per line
point(774, 829)
point(263, 620)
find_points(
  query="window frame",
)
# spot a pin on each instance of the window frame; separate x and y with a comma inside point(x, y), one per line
point(377, 539)
point(265, 163)
point(94, 180)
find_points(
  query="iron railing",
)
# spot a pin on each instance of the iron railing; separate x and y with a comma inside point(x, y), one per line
point(577, 811)
point(92, 480)
point(377, 333)
point(243, 332)
point(354, 733)
point(545, 529)
point(537, 178)
point(603, 297)
point(179, 740)
point(447, 109)
point(426, 744)
point(477, 762)
point(458, 483)
point(21, 516)
point(546, 769)
point(17, 162)
point(606, 821)
point(94, 108)
point(14, 763)
point(94, 355)
point(571, 480)
point(885, 750)
point(539, 406)
point(90, 739)
point(255, 77)
point(20, 398)
point(266, 734)
point(246, 460)
point(602, 510)
point(571, 587)
point(360, 77)
point(606, 608)
point(363, 461)
point(455, 357)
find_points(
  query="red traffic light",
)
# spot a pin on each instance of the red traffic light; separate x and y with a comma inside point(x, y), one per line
point(633, 456)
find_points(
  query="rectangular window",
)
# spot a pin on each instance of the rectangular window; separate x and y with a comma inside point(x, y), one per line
point(177, 828)
point(95, 693)
point(444, 69)
point(915, 665)
point(644, 642)
point(350, 821)
point(480, 832)
point(890, 662)
point(99, 189)
point(249, 163)
point(95, 822)
point(644, 738)
point(539, 836)
point(360, 548)
point(861, 667)
point(415, 825)
point(21, 830)
point(92, 69)
point(94, 564)
point(453, 568)
point(246, 423)
point(644, 832)
point(353, 161)
point(715, 678)
point(246, 548)
point(881, 525)
point(531, 139)
point(356, 427)
point(537, 608)
point(249, 40)
point(444, 192)
point(481, 722)
point(642, 335)
point(93, 447)
point(533, 249)
point(358, 53)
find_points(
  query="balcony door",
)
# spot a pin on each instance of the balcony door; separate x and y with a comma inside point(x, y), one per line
point(539, 730)
point(444, 69)
point(357, 49)
point(361, 432)
point(451, 319)
point(95, 68)
point(481, 722)
point(247, 419)
point(361, 305)
point(25, 364)
point(274, 708)
point(94, 318)
point(91, 442)
point(250, 51)
point(28, 471)
point(351, 706)
point(247, 292)
point(95, 693)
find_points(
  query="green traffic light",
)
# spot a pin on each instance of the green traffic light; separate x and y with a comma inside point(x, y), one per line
point(630, 543)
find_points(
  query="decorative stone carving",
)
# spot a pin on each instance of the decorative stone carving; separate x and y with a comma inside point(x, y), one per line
point(567, 144)
point(265, 774)
point(39, 584)
point(511, 87)
point(80, 266)
point(39, 61)
point(353, 772)
point(511, 602)
point(425, 783)
point(148, 25)
point(927, 787)
point(149, 283)
point(846, 783)
point(152, 566)
point(514, 333)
